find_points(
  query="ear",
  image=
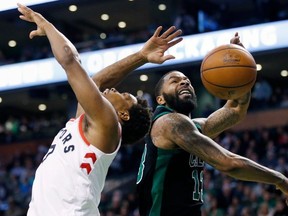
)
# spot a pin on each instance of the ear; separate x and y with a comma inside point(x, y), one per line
point(124, 115)
point(160, 100)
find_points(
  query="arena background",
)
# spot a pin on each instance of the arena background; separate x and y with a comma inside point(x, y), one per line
point(26, 128)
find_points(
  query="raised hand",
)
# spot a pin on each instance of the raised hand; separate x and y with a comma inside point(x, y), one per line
point(154, 49)
point(30, 16)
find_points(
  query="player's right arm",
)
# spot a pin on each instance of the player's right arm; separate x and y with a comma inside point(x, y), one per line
point(179, 130)
point(99, 113)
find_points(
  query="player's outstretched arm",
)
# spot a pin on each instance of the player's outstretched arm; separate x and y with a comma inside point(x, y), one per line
point(180, 130)
point(68, 57)
point(153, 51)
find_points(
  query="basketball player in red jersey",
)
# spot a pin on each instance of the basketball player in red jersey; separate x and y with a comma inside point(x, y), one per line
point(71, 176)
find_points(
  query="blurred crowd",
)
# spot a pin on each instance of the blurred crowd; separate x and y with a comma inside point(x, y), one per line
point(19, 128)
point(223, 196)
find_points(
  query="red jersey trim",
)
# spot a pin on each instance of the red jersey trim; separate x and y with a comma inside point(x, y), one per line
point(81, 131)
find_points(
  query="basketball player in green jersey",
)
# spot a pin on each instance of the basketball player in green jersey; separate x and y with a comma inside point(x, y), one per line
point(170, 177)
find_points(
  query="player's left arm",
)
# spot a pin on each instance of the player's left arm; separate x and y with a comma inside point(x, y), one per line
point(153, 51)
point(98, 111)
point(233, 112)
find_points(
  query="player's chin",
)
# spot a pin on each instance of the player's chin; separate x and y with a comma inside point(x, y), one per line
point(188, 99)
point(185, 97)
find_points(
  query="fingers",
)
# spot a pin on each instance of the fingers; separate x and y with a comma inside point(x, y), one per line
point(20, 5)
point(164, 58)
point(168, 57)
point(26, 16)
point(174, 35)
point(168, 32)
point(176, 41)
point(157, 31)
point(21, 8)
point(32, 34)
point(26, 13)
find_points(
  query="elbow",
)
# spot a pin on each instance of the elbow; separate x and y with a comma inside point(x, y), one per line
point(68, 56)
point(228, 165)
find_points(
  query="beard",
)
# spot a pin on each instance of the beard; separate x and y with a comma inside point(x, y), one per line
point(184, 106)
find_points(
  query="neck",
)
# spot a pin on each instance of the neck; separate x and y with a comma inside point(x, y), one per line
point(174, 110)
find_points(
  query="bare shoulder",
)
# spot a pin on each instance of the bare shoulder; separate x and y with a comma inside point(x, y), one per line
point(169, 128)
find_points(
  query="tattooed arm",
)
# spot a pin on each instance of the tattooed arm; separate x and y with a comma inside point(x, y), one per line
point(178, 130)
point(233, 112)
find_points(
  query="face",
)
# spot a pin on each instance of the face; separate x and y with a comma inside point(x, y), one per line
point(120, 101)
point(178, 93)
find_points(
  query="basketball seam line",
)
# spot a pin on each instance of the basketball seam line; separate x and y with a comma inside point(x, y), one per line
point(225, 66)
point(228, 86)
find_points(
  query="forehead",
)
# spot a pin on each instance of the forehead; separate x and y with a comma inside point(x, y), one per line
point(174, 74)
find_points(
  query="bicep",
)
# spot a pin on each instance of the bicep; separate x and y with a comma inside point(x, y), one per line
point(208, 126)
point(219, 121)
point(184, 134)
point(229, 115)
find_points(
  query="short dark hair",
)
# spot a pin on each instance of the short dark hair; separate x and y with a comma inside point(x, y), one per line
point(159, 85)
point(139, 123)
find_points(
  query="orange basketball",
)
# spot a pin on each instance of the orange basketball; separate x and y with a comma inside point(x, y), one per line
point(228, 71)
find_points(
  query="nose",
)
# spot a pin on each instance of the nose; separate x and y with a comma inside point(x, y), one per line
point(184, 82)
point(113, 89)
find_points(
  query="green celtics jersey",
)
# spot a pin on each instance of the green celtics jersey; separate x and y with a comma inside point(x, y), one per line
point(169, 182)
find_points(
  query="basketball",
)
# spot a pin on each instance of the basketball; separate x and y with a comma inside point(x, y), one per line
point(228, 71)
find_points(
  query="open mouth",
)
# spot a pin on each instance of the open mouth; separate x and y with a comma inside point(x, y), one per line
point(184, 92)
